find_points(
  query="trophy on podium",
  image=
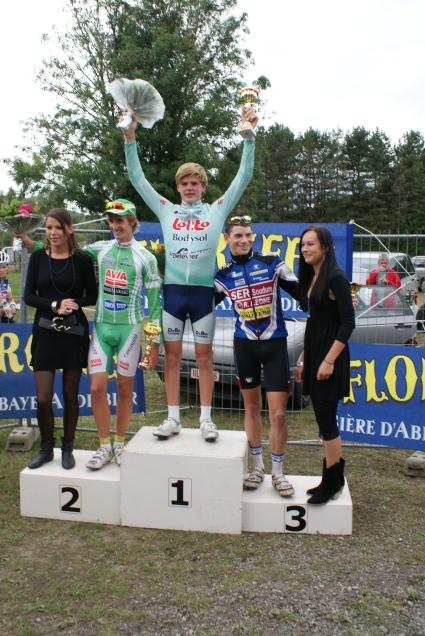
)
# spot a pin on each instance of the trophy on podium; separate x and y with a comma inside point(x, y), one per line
point(151, 331)
point(249, 96)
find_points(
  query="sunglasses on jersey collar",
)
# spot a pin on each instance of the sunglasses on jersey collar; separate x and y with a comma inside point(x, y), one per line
point(240, 220)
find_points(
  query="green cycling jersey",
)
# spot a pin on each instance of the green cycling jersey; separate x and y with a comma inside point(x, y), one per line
point(191, 230)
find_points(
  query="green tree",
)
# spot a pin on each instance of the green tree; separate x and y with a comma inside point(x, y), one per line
point(276, 167)
point(409, 184)
point(356, 151)
point(380, 167)
point(190, 50)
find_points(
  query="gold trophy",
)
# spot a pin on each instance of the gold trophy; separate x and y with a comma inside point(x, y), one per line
point(355, 287)
point(249, 96)
point(151, 331)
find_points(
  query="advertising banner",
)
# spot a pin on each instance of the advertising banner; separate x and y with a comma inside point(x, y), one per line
point(282, 238)
point(387, 395)
point(17, 389)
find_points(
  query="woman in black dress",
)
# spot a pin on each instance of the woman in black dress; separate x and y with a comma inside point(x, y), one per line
point(60, 281)
point(324, 367)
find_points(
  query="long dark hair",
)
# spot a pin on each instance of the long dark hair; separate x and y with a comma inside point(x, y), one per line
point(64, 219)
point(320, 292)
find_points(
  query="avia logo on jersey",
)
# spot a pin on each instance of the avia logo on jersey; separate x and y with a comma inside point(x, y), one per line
point(196, 225)
point(259, 271)
point(184, 254)
point(115, 305)
point(116, 278)
point(201, 334)
point(124, 365)
point(96, 362)
point(236, 274)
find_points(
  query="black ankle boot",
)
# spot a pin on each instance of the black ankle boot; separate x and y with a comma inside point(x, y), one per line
point(342, 464)
point(68, 460)
point(311, 491)
point(331, 485)
point(45, 454)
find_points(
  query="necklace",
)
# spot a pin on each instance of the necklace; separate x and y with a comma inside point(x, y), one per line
point(52, 271)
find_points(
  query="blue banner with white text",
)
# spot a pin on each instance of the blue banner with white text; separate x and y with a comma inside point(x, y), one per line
point(387, 395)
point(17, 389)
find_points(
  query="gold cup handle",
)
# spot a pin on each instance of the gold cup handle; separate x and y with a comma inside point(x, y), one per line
point(151, 331)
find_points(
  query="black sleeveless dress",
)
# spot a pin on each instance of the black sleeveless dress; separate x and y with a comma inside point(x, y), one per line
point(327, 322)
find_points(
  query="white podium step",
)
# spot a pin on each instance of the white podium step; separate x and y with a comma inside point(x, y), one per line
point(79, 494)
point(264, 510)
point(184, 482)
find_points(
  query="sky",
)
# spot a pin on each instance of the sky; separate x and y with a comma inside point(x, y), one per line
point(331, 64)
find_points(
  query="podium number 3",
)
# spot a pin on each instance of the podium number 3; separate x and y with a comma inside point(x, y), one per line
point(69, 497)
point(296, 516)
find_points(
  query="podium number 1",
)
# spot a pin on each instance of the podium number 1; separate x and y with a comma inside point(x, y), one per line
point(180, 492)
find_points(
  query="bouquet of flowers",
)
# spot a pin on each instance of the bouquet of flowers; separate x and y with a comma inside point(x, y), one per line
point(137, 96)
point(159, 254)
point(18, 218)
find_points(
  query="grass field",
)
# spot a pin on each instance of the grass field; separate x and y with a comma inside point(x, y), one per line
point(77, 578)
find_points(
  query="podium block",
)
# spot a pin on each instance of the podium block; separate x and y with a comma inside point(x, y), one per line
point(264, 510)
point(184, 482)
point(79, 494)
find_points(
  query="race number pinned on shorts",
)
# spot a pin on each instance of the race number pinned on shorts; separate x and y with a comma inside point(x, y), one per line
point(70, 498)
point(295, 518)
point(179, 492)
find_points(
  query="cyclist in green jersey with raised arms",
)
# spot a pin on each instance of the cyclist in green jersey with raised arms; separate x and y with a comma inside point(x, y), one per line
point(191, 234)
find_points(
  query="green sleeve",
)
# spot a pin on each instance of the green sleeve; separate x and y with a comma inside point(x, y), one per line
point(152, 283)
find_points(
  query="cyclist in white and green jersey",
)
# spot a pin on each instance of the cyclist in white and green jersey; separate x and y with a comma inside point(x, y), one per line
point(191, 234)
point(125, 268)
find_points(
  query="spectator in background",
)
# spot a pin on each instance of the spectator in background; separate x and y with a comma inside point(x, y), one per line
point(7, 304)
point(384, 275)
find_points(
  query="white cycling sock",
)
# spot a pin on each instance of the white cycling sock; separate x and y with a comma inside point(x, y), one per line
point(277, 462)
point(205, 413)
point(174, 412)
point(257, 456)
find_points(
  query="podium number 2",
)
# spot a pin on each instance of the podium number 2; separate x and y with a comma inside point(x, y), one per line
point(70, 499)
point(295, 518)
point(180, 492)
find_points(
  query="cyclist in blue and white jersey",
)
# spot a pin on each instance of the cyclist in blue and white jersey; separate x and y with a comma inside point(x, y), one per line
point(251, 280)
point(191, 234)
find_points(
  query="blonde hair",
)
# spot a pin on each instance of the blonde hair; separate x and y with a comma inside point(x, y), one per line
point(189, 169)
